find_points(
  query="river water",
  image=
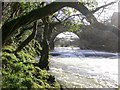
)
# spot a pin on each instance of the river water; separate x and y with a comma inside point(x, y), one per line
point(75, 68)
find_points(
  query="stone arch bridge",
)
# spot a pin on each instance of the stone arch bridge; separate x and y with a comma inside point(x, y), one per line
point(90, 37)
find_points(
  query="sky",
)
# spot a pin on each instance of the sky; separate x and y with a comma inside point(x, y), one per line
point(105, 15)
point(109, 10)
point(67, 35)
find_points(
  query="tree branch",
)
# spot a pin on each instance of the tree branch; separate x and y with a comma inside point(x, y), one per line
point(57, 19)
point(24, 43)
point(103, 6)
point(9, 28)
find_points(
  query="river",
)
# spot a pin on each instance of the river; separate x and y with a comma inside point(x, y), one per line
point(75, 68)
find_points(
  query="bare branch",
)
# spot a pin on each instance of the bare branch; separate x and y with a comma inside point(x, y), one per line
point(57, 19)
point(103, 6)
point(100, 13)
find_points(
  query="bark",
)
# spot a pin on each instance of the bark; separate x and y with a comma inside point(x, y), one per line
point(27, 28)
point(43, 62)
point(24, 43)
point(10, 27)
point(15, 9)
point(52, 45)
point(48, 27)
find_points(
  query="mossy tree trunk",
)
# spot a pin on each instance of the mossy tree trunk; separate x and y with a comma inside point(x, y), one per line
point(32, 36)
point(10, 27)
point(44, 60)
point(45, 44)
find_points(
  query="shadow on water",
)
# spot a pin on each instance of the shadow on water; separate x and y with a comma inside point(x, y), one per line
point(68, 52)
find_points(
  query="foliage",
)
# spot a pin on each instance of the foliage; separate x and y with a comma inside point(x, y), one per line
point(12, 10)
point(19, 71)
point(91, 4)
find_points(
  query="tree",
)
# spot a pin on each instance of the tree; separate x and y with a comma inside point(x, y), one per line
point(10, 27)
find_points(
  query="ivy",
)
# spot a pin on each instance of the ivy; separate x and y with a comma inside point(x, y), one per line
point(19, 71)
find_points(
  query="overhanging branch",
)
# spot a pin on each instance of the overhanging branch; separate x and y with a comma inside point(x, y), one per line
point(103, 6)
point(10, 27)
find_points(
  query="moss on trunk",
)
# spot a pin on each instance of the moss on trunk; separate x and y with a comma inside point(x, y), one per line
point(19, 72)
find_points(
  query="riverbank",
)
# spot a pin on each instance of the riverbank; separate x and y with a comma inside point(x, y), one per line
point(19, 71)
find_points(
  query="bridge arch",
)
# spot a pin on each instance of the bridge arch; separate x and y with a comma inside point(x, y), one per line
point(72, 36)
point(90, 38)
point(64, 28)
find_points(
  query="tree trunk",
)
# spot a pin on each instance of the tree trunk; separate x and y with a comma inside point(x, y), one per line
point(10, 27)
point(44, 60)
point(52, 45)
point(24, 43)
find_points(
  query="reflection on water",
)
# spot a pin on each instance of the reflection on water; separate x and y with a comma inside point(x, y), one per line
point(84, 68)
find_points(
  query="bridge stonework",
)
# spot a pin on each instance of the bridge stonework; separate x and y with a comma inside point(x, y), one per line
point(91, 38)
